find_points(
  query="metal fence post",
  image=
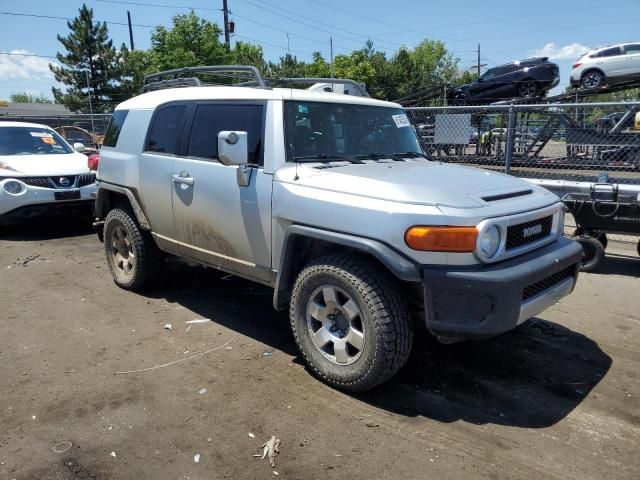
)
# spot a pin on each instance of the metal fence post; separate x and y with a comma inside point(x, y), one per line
point(511, 132)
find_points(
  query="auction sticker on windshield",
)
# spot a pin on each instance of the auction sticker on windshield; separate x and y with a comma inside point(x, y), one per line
point(401, 120)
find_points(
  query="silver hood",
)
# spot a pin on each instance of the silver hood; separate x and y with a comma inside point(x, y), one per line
point(418, 183)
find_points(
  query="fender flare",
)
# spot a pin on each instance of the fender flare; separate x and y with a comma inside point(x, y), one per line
point(395, 262)
point(101, 199)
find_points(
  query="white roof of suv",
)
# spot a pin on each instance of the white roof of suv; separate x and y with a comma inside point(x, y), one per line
point(153, 99)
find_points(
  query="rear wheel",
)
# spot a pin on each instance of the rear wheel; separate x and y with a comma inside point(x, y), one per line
point(528, 89)
point(350, 323)
point(592, 253)
point(131, 253)
point(592, 79)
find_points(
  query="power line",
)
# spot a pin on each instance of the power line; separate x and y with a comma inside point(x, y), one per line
point(316, 23)
point(26, 55)
point(52, 17)
point(314, 40)
point(145, 4)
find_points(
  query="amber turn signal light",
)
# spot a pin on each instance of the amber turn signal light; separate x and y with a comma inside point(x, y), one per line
point(442, 239)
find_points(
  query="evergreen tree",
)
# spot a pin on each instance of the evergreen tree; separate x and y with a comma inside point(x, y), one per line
point(88, 50)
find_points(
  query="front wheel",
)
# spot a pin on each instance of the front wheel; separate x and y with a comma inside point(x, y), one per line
point(592, 79)
point(528, 89)
point(131, 253)
point(350, 323)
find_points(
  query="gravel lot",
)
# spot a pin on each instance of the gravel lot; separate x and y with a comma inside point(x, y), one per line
point(557, 398)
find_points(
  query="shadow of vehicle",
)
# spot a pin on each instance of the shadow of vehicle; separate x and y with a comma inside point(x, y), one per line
point(46, 228)
point(616, 264)
point(531, 377)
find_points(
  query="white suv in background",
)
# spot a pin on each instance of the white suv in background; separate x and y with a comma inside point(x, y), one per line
point(607, 65)
point(40, 173)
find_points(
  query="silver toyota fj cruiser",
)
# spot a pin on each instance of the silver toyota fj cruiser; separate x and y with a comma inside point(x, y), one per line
point(328, 199)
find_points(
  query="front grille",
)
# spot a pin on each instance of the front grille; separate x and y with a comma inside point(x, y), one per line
point(528, 232)
point(42, 182)
point(66, 181)
point(86, 179)
point(546, 283)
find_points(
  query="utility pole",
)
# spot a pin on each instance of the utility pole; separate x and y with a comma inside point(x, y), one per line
point(225, 10)
point(288, 43)
point(480, 65)
point(93, 128)
point(331, 53)
point(130, 29)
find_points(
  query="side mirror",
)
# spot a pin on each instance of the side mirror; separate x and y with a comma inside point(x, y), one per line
point(79, 147)
point(232, 148)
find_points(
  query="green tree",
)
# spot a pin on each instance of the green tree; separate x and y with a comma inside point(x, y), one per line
point(244, 53)
point(191, 41)
point(88, 50)
point(287, 66)
point(24, 97)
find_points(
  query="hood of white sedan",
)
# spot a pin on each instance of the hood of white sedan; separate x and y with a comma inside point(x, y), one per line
point(43, 165)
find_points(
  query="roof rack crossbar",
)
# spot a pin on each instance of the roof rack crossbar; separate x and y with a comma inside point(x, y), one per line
point(181, 76)
point(344, 81)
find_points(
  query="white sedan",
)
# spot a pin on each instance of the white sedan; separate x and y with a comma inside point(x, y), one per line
point(607, 65)
point(40, 173)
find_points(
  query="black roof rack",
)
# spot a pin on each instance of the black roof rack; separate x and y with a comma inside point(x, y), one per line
point(186, 77)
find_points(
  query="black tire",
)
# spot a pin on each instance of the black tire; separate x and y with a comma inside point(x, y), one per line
point(528, 89)
point(385, 323)
point(600, 236)
point(592, 79)
point(638, 247)
point(137, 249)
point(592, 253)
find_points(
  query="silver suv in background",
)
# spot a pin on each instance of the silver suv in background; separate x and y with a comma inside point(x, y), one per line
point(607, 65)
point(328, 199)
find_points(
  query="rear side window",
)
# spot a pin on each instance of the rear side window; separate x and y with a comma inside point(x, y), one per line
point(114, 128)
point(633, 49)
point(609, 52)
point(209, 120)
point(164, 133)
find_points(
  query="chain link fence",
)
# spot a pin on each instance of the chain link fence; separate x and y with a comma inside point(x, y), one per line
point(587, 142)
point(597, 142)
point(75, 127)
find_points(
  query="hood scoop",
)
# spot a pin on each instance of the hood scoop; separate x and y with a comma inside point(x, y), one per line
point(504, 196)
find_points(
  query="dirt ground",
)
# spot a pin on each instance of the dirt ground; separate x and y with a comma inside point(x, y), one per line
point(557, 398)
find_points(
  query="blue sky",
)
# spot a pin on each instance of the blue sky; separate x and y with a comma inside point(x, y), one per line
point(506, 29)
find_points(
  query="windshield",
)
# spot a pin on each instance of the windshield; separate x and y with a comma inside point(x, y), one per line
point(31, 141)
point(330, 131)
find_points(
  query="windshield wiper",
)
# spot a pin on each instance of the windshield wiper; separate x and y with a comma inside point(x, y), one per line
point(380, 156)
point(324, 156)
point(411, 155)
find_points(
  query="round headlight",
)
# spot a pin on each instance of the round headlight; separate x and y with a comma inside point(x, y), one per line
point(13, 187)
point(490, 241)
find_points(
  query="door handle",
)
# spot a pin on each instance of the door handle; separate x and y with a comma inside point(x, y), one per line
point(183, 178)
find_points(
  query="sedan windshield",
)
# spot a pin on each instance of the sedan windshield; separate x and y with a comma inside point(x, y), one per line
point(31, 141)
point(336, 131)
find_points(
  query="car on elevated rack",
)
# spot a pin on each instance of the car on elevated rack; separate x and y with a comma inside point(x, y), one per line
point(607, 66)
point(531, 78)
point(41, 174)
point(328, 199)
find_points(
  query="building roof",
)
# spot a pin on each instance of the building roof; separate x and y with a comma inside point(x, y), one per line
point(39, 109)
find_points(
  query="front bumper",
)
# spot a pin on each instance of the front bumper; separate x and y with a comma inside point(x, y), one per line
point(487, 301)
point(35, 201)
